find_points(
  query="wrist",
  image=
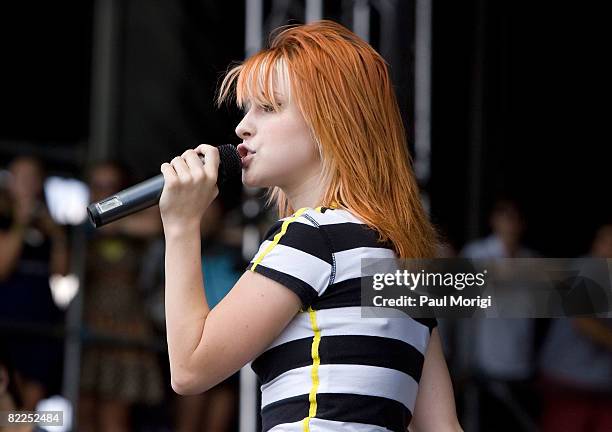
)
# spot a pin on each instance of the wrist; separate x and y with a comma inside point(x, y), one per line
point(178, 231)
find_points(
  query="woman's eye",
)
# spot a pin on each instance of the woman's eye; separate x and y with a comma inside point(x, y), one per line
point(267, 108)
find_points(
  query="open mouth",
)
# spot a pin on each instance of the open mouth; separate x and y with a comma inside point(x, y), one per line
point(244, 150)
point(247, 159)
point(246, 153)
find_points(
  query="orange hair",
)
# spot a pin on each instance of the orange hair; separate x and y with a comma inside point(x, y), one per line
point(342, 87)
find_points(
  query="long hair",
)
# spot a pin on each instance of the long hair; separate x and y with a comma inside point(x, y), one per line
point(343, 89)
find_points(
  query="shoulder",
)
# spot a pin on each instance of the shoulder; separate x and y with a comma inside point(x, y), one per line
point(330, 216)
point(296, 238)
point(319, 217)
point(332, 225)
point(297, 254)
point(322, 232)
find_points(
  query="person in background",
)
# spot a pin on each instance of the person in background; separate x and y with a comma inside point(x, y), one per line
point(33, 248)
point(502, 357)
point(10, 397)
point(576, 366)
point(121, 371)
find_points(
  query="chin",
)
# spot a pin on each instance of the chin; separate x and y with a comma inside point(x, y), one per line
point(248, 179)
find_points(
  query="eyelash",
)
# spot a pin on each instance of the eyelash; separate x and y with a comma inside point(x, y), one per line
point(264, 108)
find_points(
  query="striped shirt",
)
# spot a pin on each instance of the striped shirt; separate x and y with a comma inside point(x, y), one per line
point(330, 369)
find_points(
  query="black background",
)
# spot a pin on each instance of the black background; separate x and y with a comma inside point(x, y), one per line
point(542, 102)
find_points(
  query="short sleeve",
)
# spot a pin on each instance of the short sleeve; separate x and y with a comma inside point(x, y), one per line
point(296, 254)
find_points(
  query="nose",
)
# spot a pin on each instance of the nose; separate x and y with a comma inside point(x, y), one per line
point(245, 128)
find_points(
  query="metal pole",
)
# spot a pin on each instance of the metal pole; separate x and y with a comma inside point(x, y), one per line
point(253, 34)
point(361, 19)
point(74, 317)
point(477, 125)
point(104, 74)
point(472, 407)
point(422, 91)
point(102, 132)
point(314, 10)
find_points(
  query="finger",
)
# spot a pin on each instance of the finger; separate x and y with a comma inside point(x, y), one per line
point(169, 174)
point(195, 164)
point(181, 168)
point(211, 164)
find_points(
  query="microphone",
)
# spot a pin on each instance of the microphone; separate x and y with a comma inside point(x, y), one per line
point(147, 193)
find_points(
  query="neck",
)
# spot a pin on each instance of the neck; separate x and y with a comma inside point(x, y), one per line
point(307, 193)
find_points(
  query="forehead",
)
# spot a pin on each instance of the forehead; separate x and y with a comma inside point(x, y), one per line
point(264, 80)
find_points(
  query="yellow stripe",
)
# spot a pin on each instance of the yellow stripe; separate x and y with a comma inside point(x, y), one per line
point(314, 352)
point(278, 236)
point(312, 397)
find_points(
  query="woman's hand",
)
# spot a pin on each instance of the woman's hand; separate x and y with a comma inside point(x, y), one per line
point(189, 188)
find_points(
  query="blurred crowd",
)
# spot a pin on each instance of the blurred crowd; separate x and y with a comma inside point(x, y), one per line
point(514, 374)
point(525, 374)
point(124, 371)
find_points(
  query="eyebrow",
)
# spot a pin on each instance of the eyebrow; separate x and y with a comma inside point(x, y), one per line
point(280, 98)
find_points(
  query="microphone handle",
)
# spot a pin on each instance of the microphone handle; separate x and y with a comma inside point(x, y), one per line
point(131, 200)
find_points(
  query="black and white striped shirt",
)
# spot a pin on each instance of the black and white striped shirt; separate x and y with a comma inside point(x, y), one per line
point(330, 369)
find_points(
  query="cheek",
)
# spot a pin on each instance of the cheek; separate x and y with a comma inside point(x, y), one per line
point(287, 153)
point(293, 141)
point(282, 163)
point(294, 154)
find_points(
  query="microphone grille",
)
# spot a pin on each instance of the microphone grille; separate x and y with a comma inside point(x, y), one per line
point(229, 166)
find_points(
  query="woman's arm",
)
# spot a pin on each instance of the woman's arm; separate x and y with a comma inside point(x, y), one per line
point(435, 404)
point(205, 346)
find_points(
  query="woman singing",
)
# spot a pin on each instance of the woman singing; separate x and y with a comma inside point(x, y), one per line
point(323, 132)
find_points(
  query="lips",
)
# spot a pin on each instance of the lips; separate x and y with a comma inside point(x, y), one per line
point(246, 153)
point(244, 149)
point(246, 160)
